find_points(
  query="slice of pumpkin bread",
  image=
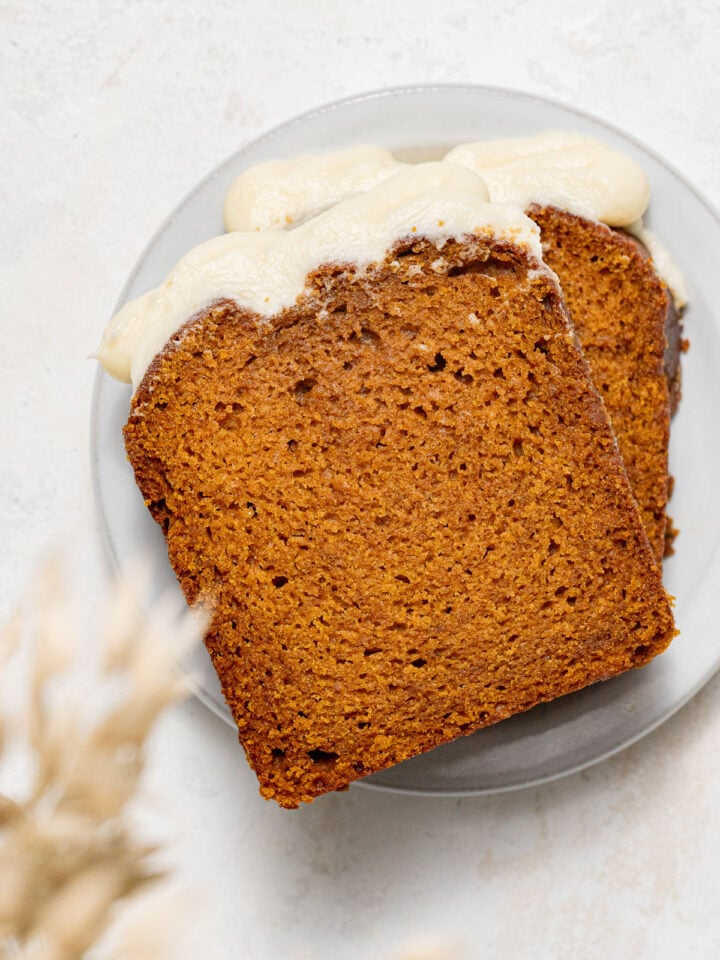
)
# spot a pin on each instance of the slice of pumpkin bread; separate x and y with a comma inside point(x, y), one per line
point(621, 307)
point(629, 331)
point(400, 495)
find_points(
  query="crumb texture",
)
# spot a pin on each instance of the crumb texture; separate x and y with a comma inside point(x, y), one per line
point(629, 332)
point(405, 501)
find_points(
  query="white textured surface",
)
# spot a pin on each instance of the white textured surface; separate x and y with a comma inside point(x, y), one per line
point(111, 112)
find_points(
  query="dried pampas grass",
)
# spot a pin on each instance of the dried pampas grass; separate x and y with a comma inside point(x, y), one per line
point(81, 715)
point(67, 852)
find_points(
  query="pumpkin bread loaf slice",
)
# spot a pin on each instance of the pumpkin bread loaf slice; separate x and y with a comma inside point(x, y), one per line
point(400, 494)
point(629, 330)
point(622, 310)
point(579, 192)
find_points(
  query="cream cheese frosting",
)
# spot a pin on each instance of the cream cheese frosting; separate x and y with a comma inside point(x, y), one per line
point(662, 261)
point(267, 271)
point(568, 170)
point(280, 194)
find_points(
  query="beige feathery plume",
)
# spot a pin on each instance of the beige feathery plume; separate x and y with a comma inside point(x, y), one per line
point(426, 949)
point(67, 853)
point(68, 856)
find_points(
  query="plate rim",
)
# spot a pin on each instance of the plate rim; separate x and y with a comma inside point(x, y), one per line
point(235, 156)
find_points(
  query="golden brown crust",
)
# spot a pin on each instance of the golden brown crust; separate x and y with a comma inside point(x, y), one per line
point(629, 331)
point(406, 503)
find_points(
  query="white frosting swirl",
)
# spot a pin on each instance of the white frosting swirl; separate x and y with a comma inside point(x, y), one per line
point(267, 271)
point(280, 194)
point(566, 170)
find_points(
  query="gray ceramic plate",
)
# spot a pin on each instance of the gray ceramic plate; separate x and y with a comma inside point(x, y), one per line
point(571, 733)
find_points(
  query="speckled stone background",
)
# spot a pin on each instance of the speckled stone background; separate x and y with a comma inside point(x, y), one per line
point(111, 112)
